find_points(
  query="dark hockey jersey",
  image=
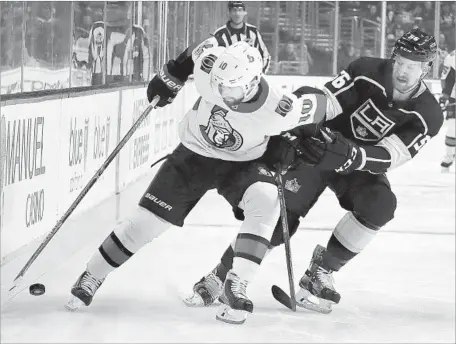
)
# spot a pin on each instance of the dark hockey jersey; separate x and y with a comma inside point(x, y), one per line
point(391, 132)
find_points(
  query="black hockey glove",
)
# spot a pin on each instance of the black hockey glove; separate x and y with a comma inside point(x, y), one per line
point(331, 151)
point(238, 213)
point(281, 152)
point(165, 86)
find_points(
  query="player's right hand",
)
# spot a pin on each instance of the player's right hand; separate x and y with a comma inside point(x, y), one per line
point(281, 152)
point(165, 86)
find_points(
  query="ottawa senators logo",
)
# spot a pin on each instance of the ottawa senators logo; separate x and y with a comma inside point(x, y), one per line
point(219, 132)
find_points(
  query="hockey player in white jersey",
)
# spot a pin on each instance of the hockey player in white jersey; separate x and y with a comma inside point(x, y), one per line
point(447, 102)
point(224, 138)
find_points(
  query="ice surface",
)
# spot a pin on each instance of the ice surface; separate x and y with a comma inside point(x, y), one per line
point(400, 289)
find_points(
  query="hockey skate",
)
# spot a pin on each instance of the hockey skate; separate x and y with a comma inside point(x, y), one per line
point(206, 291)
point(317, 291)
point(235, 303)
point(446, 163)
point(83, 291)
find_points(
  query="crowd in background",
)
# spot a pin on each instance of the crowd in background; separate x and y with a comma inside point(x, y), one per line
point(38, 35)
point(400, 18)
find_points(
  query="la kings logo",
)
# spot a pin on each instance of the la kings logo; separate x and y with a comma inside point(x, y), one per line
point(368, 123)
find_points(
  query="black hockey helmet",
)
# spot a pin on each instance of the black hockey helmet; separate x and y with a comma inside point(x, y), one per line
point(416, 45)
point(236, 4)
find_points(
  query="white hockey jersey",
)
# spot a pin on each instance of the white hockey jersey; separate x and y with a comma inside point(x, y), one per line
point(241, 133)
point(448, 64)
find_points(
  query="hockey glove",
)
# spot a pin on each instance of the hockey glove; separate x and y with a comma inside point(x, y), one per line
point(238, 213)
point(331, 151)
point(281, 152)
point(165, 86)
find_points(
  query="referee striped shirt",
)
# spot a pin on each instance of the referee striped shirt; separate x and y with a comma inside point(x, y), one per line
point(227, 35)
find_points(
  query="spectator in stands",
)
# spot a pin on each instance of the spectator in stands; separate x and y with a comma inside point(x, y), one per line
point(288, 61)
point(443, 44)
point(374, 14)
point(133, 52)
point(288, 53)
point(350, 8)
point(446, 17)
point(96, 52)
point(398, 29)
point(367, 52)
point(428, 7)
point(417, 12)
point(389, 19)
point(406, 16)
point(347, 54)
point(447, 24)
point(428, 12)
point(442, 51)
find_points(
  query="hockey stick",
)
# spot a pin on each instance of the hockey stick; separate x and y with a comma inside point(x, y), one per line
point(286, 239)
point(445, 106)
point(84, 191)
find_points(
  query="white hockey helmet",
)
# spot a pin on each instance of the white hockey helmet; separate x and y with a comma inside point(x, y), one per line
point(237, 73)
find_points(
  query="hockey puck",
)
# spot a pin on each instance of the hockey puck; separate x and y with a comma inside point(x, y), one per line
point(37, 289)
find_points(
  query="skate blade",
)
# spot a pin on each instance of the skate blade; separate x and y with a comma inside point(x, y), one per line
point(305, 299)
point(231, 316)
point(74, 304)
point(195, 300)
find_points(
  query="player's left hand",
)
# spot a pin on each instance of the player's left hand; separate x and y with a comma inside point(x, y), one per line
point(281, 152)
point(165, 86)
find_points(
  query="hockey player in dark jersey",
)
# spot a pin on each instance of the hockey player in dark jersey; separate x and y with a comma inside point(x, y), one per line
point(384, 117)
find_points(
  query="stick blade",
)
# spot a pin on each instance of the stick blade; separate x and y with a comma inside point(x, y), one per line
point(283, 298)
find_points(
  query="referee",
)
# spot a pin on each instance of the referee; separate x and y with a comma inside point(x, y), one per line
point(236, 29)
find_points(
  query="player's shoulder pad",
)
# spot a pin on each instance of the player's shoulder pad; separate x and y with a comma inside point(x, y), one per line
point(314, 100)
point(279, 100)
point(304, 104)
point(207, 59)
point(208, 46)
point(429, 109)
point(307, 90)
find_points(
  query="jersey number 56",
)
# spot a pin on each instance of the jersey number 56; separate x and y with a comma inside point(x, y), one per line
point(341, 80)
